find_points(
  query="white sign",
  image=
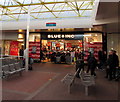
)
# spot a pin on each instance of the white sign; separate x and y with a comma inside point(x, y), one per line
point(61, 36)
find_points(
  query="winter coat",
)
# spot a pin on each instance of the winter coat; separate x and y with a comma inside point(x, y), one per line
point(92, 62)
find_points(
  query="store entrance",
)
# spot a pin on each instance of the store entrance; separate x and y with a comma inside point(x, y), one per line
point(60, 48)
point(75, 46)
point(55, 46)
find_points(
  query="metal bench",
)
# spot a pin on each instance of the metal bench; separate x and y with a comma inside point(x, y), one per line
point(12, 69)
point(69, 80)
point(87, 80)
point(5, 71)
point(18, 67)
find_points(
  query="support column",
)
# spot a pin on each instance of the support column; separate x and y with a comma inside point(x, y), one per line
point(1, 49)
point(27, 40)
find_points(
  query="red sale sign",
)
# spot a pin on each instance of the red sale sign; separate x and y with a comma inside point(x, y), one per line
point(69, 45)
point(80, 44)
point(57, 44)
point(34, 50)
point(49, 44)
point(14, 48)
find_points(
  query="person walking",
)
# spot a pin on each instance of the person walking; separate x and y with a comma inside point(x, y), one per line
point(72, 56)
point(21, 52)
point(41, 56)
point(68, 58)
point(31, 61)
point(76, 54)
point(116, 63)
point(101, 59)
point(112, 63)
point(92, 63)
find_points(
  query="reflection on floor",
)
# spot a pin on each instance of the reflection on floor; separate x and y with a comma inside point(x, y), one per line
point(44, 83)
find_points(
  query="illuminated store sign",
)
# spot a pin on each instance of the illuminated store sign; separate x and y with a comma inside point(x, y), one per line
point(59, 36)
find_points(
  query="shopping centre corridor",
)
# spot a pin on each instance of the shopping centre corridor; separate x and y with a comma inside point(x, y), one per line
point(44, 83)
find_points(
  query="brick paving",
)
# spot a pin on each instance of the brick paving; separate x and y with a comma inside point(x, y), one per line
point(44, 83)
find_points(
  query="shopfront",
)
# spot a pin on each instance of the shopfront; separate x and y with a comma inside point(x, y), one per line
point(50, 42)
point(12, 42)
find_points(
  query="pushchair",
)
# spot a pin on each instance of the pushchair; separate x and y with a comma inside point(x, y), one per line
point(31, 61)
point(118, 74)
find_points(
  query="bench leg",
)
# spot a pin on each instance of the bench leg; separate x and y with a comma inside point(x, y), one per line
point(86, 90)
point(7, 77)
point(69, 91)
point(20, 73)
point(73, 81)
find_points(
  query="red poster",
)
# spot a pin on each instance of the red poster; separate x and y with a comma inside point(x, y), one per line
point(34, 50)
point(49, 44)
point(96, 46)
point(80, 44)
point(14, 48)
point(57, 44)
point(69, 45)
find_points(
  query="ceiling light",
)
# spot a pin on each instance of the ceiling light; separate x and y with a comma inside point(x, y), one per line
point(20, 36)
point(20, 30)
point(90, 29)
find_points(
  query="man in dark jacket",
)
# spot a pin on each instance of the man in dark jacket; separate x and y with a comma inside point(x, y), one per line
point(116, 63)
point(21, 52)
point(112, 62)
point(41, 55)
point(101, 58)
point(92, 63)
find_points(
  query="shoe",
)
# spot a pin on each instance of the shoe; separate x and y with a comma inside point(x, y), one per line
point(106, 76)
point(110, 79)
point(95, 75)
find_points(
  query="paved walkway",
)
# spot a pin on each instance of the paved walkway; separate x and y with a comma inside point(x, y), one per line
point(44, 83)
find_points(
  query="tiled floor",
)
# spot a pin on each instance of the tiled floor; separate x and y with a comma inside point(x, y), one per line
point(29, 82)
point(44, 83)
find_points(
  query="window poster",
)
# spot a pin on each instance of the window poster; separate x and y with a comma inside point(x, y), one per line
point(14, 48)
point(34, 50)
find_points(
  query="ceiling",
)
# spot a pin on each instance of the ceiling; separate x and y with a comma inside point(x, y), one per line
point(77, 13)
point(45, 9)
point(108, 14)
point(107, 10)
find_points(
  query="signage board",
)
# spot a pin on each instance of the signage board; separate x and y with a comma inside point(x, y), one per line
point(14, 48)
point(50, 24)
point(62, 36)
point(34, 50)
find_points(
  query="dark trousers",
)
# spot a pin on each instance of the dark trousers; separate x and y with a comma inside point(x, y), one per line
point(101, 64)
point(92, 69)
point(107, 72)
point(88, 69)
point(112, 73)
